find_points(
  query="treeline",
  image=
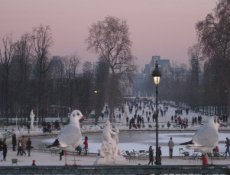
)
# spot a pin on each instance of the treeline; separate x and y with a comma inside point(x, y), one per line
point(31, 79)
point(207, 83)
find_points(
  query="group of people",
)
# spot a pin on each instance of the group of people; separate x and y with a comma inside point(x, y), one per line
point(142, 112)
point(23, 144)
point(137, 112)
point(171, 145)
point(151, 152)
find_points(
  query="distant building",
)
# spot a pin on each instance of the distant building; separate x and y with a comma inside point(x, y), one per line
point(164, 66)
point(142, 82)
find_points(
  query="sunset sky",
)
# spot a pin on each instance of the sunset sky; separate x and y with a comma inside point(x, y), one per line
point(157, 27)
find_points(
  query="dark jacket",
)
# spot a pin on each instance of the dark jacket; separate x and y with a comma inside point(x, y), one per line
point(151, 154)
point(28, 144)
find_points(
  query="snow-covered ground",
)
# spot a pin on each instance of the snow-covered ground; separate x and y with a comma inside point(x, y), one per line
point(48, 158)
point(134, 139)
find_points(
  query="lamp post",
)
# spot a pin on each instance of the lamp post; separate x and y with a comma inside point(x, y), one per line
point(156, 74)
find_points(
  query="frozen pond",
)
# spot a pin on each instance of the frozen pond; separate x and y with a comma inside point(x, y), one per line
point(140, 140)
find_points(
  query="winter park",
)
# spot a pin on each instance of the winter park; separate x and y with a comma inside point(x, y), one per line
point(115, 87)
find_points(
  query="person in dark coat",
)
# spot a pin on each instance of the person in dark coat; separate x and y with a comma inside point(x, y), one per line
point(151, 158)
point(61, 153)
point(4, 151)
point(1, 150)
point(20, 152)
point(79, 149)
point(159, 151)
point(33, 163)
point(227, 144)
point(28, 146)
point(14, 142)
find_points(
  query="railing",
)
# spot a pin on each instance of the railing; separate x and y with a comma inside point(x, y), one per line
point(129, 170)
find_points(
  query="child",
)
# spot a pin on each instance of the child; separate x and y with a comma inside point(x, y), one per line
point(86, 145)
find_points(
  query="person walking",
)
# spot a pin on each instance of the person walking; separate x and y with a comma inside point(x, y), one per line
point(86, 145)
point(227, 144)
point(1, 150)
point(4, 151)
point(151, 157)
point(20, 153)
point(170, 145)
point(14, 142)
point(28, 146)
point(159, 155)
point(61, 153)
point(23, 140)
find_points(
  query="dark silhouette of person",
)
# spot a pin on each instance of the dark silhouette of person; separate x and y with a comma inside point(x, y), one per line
point(86, 145)
point(151, 158)
point(4, 151)
point(33, 163)
point(227, 144)
point(28, 146)
point(14, 142)
point(61, 154)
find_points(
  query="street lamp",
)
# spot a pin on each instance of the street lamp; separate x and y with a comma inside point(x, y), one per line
point(156, 74)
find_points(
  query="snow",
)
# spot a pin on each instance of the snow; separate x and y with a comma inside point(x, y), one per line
point(134, 139)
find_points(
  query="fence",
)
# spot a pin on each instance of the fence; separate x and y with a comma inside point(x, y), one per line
point(113, 170)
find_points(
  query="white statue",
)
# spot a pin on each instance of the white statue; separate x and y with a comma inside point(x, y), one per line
point(110, 152)
point(32, 115)
point(70, 136)
point(206, 138)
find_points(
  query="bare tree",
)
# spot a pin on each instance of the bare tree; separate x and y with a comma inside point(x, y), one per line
point(110, 39)
point(71, 64)
point(6, 57)
point(194, 92)
point(213, 32)
point(101, 79)
point(41, 42)
point(56, 70)
point(56, 77)
point(21, 69)
point(214, 38)
point(86, 90)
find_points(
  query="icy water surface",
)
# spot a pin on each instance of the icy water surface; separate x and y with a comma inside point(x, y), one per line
point(139, 140)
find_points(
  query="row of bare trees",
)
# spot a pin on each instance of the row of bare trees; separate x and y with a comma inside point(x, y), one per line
point(31, 78)
point(28, 72)
point(208, 81)
point(214, 40)
point(17, 61)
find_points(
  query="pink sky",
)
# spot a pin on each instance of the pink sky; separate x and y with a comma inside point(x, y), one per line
point(157, 27)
